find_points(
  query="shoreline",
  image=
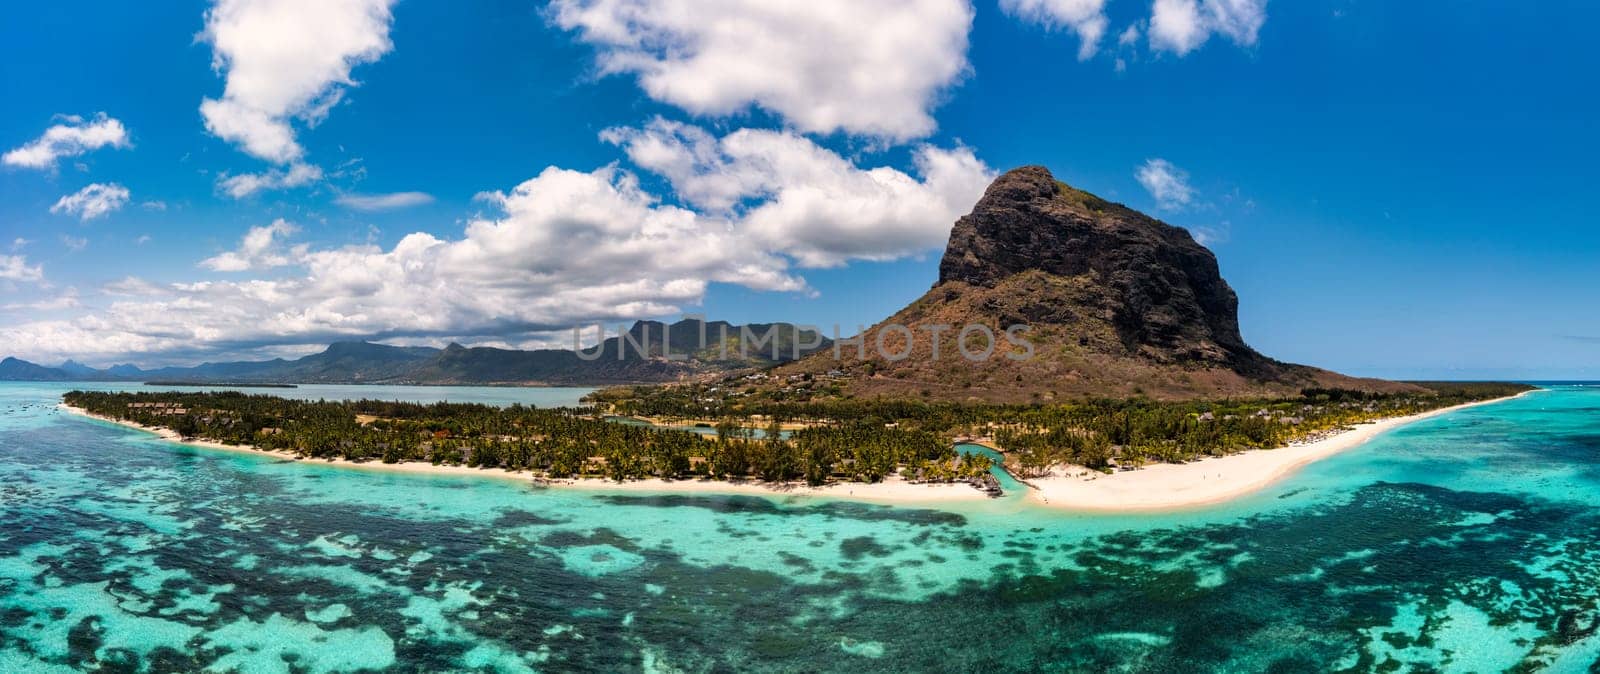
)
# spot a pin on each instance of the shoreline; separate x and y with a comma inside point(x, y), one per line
point(1153, 488)
point(1209, 481)
point(893, 490)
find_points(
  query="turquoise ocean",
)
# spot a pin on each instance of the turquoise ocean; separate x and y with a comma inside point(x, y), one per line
point(1467, 542)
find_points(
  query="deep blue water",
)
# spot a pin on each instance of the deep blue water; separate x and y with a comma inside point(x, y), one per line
point(1468, 542)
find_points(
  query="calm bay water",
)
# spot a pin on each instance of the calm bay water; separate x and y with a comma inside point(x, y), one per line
point(548, 396)
point(1469, 542)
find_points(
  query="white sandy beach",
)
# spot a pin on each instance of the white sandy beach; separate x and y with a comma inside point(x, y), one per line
point(892, 490)
point(1207, 481)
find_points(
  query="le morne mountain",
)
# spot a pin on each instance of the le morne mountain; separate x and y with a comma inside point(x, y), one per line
point(1118, 304)
point(642, 359)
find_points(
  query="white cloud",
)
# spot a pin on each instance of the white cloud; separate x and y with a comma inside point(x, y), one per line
point(93, 201)
point(155, 205)
point(873, 69)
point(16, 268)
point(68, 299)
point(1181, 26)
point(1168, 184)
point(1238, 20)
point(132, 286)
point(1210, 236)
point(19, 243)
point(246, 184)
point(564, 247)
point(1087, 18)
point(259, 249)
point(383, 202)
point(793, 197)
point(285, 60)
point(75, 136)
point(1129, 37)
point(74, 243)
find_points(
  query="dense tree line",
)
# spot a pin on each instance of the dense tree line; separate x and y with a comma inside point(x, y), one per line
point(558, 442)
point(1092, 433)
point(855, 440)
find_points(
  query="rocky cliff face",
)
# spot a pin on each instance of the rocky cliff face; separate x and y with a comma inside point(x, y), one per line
point(1118, 304)
point(1165, 295)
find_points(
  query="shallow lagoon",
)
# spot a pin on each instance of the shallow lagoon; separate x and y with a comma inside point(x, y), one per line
point(1469, 542)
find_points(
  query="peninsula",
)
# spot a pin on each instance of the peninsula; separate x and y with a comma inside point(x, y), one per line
point(867, 451)
point(1137, 389)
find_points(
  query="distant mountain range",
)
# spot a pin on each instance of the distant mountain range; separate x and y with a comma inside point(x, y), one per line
point(643, 357)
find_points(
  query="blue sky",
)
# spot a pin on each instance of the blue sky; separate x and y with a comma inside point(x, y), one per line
point(1394, 189)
